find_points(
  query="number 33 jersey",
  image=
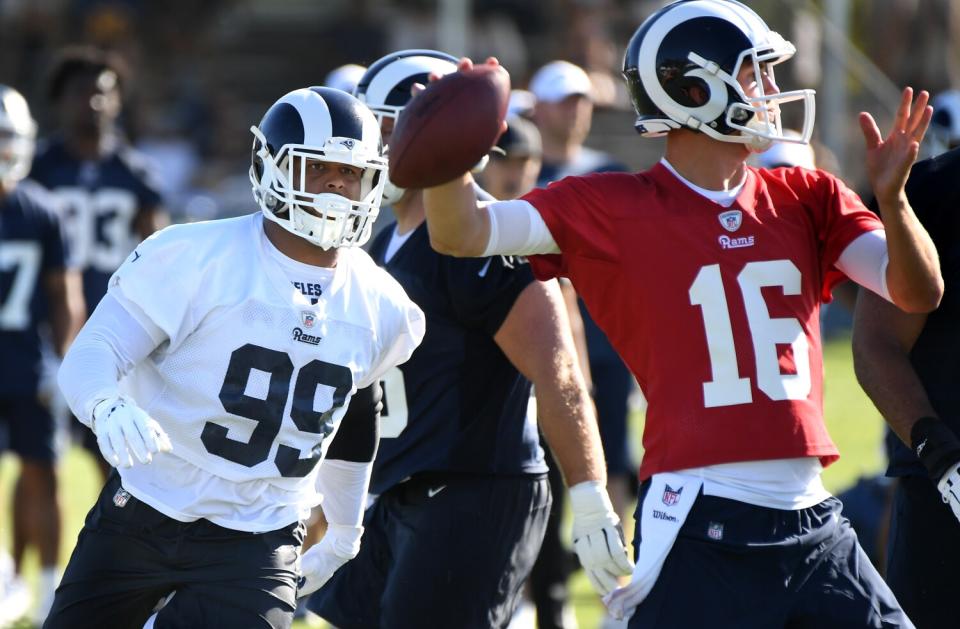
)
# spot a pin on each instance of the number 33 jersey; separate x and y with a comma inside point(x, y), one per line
point(251, 378)
point(714, 309)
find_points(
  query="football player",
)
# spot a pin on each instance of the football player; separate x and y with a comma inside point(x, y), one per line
point(707, 275)
point(107, 199)
point(38, 290)
point(564, 113)
point(907, 364)
point(463, 497)
point(251, 349)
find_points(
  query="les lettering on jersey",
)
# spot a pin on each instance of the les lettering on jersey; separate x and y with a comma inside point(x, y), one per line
point(714, 309)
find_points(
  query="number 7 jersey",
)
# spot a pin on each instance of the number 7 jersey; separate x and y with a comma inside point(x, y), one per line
point(251, 379)
point(714, 309)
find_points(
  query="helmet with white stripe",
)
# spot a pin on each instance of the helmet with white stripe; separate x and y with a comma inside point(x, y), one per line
point(385, 88)
point(318, 124)
point(681, 68)
point(18, 135)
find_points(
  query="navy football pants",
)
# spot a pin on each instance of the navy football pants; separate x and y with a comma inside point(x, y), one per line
point(441, 551)
point(128, 556)
point(923, 554)
point(742, 566)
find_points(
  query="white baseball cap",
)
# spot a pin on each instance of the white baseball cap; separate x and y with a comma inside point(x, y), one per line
point(559, 79)
point(344, 77)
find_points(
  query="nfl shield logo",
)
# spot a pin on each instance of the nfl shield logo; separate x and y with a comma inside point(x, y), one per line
point(121, 498)
point(308, 319)
point(671, 496)
point(715, 531)
point(731, 220)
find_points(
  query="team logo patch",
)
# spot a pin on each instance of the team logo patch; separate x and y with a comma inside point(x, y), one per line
point(308, 318)
point(731, 220)
point(715, 531)
point(348, 143)
point(303, 337)
point(121, 498)
point(671, 496)
point(726, 242)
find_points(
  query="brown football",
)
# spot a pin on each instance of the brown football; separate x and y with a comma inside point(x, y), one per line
point(449, 127)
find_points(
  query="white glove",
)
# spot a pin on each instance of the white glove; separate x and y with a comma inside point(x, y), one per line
point(949, 487)
point(123, 428)
point(597, 536)
point(339, 545)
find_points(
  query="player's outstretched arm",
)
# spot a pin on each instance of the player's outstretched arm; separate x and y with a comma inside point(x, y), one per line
point(457, 223)
point(883, 337)
point(913, 274)
point(536, 338)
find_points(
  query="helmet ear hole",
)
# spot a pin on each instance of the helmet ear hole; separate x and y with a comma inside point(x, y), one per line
point(695, 94)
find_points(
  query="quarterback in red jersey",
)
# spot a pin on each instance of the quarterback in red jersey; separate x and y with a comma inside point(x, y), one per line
point(707, 276)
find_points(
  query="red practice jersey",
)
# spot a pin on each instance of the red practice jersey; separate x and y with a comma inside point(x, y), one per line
point(715, 310)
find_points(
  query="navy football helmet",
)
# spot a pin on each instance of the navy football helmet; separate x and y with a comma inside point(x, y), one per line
point(385, 88)
point(318, 123)
point(681, 68)
point(18, 135)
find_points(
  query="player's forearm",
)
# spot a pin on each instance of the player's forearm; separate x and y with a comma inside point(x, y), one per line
point(568, 422)
point(344, 485)
point(884, 371)
point(913, 274)
point(456, 223)
point(108, 346)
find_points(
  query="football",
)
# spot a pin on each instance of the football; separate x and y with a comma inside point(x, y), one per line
point(449, 127)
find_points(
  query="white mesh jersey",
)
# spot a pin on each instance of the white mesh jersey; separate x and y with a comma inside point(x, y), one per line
point(250, 379)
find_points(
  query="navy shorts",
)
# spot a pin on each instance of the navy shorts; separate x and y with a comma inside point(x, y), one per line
point(923, 553)
point(129, 555)
point(747, 567)
point(441, 551)
point(31, 430)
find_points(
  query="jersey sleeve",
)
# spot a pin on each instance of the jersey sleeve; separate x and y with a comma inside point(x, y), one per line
point(483, 290)
point(402, 326)
point(840, 217)
point(577, 219)
point(157, 283)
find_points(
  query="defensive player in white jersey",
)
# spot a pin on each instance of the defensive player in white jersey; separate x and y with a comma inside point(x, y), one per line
point(707, 276)
point(228, 359)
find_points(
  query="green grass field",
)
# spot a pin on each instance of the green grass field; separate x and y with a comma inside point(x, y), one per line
point(854, 424)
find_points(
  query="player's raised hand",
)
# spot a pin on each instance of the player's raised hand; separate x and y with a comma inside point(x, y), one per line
point(125, 432)
point(597, 537)
point(889, 159)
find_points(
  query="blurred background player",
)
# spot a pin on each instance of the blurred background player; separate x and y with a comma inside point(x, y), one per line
point(907, 364)
point(39, 296)
point(107, 198)
point(512, 169)
point(463, 498)
point(563, 113)
point(944, 133)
